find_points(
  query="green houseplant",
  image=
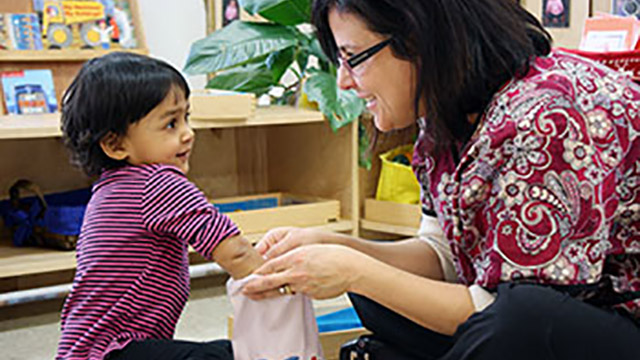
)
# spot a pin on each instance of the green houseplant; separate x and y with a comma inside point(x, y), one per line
point(254, 57)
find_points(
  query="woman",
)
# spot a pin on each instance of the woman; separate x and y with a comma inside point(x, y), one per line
point(529, 161)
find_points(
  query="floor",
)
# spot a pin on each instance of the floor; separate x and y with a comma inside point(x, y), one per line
point(31, 332)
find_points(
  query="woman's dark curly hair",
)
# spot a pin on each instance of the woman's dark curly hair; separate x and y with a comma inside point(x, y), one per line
point(109, 94)
point(464, 50)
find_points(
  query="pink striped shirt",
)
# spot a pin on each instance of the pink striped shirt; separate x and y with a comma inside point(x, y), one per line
point(132, 276)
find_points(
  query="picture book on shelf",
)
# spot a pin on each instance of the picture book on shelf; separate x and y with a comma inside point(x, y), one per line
point(102, 23)
point(29, 92)
point(24, 31)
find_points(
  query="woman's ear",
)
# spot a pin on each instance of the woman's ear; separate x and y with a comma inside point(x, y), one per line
point(112, 146)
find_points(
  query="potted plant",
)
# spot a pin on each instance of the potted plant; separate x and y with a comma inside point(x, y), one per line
point(254, 57)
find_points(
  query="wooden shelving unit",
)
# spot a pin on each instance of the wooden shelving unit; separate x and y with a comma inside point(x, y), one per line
point(48, 125)
point(275, 150)
point(72, 55)
point(278, 149)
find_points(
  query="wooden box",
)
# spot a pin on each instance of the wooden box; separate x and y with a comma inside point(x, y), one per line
point(391, 217)
point(260, 213)
point(221, 105)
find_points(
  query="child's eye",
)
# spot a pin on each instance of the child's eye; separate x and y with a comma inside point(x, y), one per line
point(186, 117)
point(172, 124)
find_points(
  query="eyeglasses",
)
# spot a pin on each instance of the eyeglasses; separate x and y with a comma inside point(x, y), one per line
point(362, 56)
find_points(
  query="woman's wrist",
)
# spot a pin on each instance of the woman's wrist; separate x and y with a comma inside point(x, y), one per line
point(338, 239)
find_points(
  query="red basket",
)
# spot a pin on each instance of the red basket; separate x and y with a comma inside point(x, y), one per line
point(626, 61)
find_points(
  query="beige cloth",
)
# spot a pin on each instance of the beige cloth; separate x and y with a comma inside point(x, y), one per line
point(431, 233)
point(282, 328)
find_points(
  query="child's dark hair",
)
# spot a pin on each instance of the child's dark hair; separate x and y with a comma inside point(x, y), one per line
point(109, 94)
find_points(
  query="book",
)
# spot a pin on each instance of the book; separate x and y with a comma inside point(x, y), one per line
point(24, 31)
point(211, 104)
point(4, 42)
point(29, 92)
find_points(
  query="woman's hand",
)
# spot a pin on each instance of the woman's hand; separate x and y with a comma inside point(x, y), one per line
point(281, 240)
point(318, 271)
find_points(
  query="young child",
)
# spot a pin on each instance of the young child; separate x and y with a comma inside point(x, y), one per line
point(125, 118)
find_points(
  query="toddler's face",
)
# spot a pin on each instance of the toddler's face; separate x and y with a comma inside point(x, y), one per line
point(163, 136)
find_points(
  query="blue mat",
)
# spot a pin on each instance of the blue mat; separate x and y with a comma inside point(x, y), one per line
point(339, 320)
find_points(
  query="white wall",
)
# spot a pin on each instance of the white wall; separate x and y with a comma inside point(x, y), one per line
point(170, 26)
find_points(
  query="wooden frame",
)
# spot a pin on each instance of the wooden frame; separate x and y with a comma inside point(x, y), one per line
point(216, 11)
point(564, 37)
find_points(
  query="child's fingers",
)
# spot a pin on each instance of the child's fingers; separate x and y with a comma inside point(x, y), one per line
point(271, 238)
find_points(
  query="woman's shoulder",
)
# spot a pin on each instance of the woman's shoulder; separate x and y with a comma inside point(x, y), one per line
point(560, 84)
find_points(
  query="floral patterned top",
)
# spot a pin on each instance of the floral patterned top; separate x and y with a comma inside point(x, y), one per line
point(547, 190)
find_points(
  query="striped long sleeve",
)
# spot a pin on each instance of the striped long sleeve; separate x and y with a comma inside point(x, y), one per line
point(132, 275)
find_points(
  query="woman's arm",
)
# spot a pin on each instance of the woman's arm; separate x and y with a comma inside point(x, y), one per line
point(436, 305)
point(324, 271)
point(412, 255)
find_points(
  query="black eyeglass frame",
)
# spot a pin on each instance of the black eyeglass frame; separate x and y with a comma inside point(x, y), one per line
point(364, 55)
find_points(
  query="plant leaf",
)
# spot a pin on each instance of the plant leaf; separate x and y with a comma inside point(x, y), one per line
point(316, 49)
point(339, 106)
point(278, 62)
point(255, 78)
point(364, 153)
point(283, 12)
point(236, 44)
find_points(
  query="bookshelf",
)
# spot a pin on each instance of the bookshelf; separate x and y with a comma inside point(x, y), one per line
point(278, 149)
point(64, 63)
point(71, 55)
point(274, 150)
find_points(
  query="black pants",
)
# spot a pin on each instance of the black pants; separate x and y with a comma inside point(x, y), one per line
point(174, 350)
point(525, 322)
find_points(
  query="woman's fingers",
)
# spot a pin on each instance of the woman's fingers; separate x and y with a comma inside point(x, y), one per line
point(263, 287)
point(275, 265)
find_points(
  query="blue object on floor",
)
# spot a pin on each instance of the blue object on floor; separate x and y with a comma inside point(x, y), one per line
point(339, 320)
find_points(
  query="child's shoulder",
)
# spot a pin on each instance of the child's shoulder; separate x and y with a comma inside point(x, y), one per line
point(143, 172)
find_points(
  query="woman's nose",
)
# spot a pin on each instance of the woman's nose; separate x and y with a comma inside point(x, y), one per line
point(345, 79)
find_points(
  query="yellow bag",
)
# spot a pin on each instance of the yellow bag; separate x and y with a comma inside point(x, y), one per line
point(397, 182)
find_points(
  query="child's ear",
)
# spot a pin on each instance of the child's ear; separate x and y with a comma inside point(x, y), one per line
point(112, 146)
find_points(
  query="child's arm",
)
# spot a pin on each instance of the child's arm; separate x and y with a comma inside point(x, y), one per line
point(237, 256)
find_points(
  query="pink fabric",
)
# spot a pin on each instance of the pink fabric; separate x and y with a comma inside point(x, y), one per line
point(281, 328)
point(547, 190)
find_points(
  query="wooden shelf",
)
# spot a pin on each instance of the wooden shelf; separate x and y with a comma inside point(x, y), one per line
point(72, 55)
point(272, 115)
point(388, 228)
point(16, 261)
point(48, 125)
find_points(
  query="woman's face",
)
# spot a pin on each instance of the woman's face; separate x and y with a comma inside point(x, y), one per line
point(384, 81)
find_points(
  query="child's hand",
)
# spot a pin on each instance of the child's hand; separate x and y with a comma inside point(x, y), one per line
point(237, 257)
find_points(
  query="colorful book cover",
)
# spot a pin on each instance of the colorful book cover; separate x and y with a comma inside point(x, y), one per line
point(29, 92)
point(24, 31)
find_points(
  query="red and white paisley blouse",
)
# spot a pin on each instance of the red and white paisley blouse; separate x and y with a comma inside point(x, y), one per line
point(548, 189)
